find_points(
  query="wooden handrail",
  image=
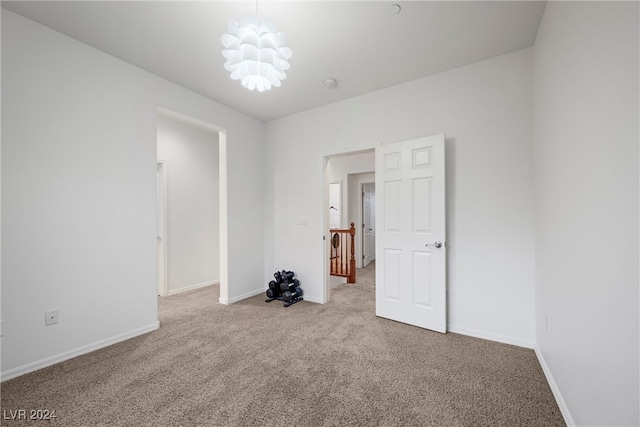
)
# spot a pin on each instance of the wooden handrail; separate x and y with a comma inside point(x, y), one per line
point(338, 253)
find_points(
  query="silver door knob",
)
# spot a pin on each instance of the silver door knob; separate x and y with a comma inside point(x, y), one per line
point(436, 244)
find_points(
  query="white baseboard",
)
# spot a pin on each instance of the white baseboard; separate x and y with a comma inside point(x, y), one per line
point(227, 301)
point(312, 299)
point(193, 287)
point(491, 337)
point(564, 410)
point(34, 366)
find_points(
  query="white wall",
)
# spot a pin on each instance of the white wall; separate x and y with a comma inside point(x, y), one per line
point(79, 195)
point(190, 156)
point(335, 204)
point(586, 206)
point(485, 110)
point(1, 314)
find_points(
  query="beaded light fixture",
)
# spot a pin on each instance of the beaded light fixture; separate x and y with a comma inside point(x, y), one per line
point(255, 53)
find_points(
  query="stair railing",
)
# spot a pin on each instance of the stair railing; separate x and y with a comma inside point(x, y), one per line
point(342, 242)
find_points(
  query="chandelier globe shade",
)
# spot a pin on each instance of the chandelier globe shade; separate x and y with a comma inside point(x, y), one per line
point(255, 53)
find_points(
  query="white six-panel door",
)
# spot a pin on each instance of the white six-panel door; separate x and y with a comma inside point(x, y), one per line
point(410, 241)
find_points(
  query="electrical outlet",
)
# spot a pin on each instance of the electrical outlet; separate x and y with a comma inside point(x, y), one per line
point(50, 317)
point(302, 220)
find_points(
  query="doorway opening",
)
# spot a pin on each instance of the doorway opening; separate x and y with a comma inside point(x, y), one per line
point(368, 197)
point(192, 224)
point(344, 177)
point(410, 272)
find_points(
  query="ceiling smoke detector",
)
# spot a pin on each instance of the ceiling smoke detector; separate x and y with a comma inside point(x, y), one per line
point(393, 9)
point(331, 83)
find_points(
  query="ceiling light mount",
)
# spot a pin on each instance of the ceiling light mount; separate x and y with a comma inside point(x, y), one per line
point(331, 83)
point(393, 9)
point(255, 53)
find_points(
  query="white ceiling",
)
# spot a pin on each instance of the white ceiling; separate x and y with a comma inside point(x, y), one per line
point(355, 42)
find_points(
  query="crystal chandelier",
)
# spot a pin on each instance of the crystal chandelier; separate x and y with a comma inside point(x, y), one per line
point(255, 53)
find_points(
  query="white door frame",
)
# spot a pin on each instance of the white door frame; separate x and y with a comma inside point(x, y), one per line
point(362, 245)
point(163, 289)
point(325, 213)
point(222, 170)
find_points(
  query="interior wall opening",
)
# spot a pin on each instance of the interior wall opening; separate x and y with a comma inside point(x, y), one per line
point(191, 226)
point(344, 177)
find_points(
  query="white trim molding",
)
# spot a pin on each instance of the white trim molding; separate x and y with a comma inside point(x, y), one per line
point(564, 410)
point(312, 299)
point(193, 287)
point(490, 336)
point(49, 361)
point(227, 301)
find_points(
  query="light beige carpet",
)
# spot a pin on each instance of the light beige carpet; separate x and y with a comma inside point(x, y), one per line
point(257, 364)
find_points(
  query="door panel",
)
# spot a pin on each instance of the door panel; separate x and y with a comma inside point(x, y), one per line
point(421, 268)
point(392, 206)
point(422, 201)
point(410, 213)
point(392, 274)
